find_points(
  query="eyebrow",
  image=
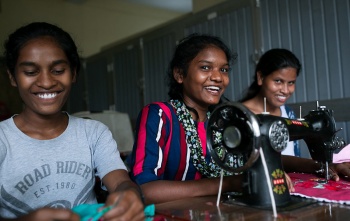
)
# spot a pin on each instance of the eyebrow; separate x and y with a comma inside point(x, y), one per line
point(29, 63)
point(26, 63)
point(206, 61)
point(60, 62)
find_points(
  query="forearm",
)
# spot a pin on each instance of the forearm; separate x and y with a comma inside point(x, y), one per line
point(47, 214)
point(164, 190)
point(302, 165)
point(24, 218)
point(129, 185)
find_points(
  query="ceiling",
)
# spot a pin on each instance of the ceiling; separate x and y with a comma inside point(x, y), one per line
point(113, 20)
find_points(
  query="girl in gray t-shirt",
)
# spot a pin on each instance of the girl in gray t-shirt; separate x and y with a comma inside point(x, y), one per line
point(49, 159)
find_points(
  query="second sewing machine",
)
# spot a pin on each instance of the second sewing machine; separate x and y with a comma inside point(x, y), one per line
point(256, 141)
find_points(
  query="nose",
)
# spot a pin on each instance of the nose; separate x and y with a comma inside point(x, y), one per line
point(285, 88)
point(46, 80)
point(216, 75)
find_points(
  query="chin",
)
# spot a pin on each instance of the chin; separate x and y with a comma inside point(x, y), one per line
point(213, 102)
point(281, 103)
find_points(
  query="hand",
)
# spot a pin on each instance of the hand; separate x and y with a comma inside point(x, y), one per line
point(289, 183)
point(51, 214)
point(126, 204)
point(336, 169)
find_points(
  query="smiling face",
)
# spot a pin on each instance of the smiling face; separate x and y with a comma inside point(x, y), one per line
point(277, 87)
point(206, 79)
point(43, 76)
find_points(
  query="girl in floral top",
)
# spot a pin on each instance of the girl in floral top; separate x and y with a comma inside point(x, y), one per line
point(170, 159)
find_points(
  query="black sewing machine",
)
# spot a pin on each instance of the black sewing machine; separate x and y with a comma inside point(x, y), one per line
point(235, 136)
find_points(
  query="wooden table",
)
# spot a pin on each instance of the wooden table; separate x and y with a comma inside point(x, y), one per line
point(204, 208)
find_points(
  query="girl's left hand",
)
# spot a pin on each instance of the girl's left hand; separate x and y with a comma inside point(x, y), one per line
point(289, 183)
point(126, 205)
point(336, 169)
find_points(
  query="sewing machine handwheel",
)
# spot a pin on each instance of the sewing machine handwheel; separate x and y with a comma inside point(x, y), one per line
point(233, 137)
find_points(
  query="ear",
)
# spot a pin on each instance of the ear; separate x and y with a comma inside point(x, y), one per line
point(260, 78)
point(74, 77)
point(12, 79)
point(178, 75)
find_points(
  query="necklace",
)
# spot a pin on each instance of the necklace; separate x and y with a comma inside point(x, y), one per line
point(193, 142)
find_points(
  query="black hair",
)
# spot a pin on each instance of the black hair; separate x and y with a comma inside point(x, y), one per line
point(272, 60)
point(22, 35)
point(185, 52)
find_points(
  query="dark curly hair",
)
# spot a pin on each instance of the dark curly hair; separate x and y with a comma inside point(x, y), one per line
point(22, 35)
point(185, 52)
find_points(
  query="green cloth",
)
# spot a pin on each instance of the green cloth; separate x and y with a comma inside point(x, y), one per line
point(90, 212)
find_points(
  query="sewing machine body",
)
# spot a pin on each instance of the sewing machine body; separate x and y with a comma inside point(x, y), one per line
point(233, 130)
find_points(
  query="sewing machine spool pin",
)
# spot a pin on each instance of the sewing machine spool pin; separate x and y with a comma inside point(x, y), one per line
point(300, 116)
point(265, 112)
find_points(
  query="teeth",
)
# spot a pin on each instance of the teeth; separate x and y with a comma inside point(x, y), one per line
point(47, 96)
point(213, 88)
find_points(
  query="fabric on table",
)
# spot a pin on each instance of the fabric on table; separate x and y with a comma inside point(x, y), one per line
point(311, 186)
point(92, 212)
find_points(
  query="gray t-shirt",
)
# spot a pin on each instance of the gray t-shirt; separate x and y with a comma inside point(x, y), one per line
point(59, 172)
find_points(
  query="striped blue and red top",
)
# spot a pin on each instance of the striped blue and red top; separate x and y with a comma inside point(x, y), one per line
point(160, 150)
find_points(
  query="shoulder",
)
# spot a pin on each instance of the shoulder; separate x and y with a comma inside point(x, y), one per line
point(289, 111)
point(253, 106)
point(6, 123)
point(8, 132)
point(159, 105)
point(157, 114)
point(87, 124)
point(8, 126)
point(159, 108)
point(5, 126)
point(92, 131)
